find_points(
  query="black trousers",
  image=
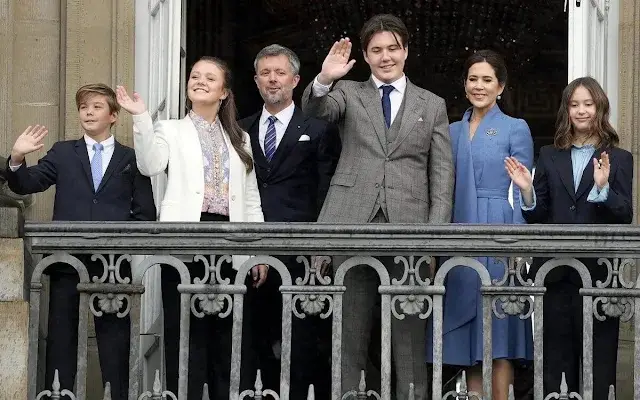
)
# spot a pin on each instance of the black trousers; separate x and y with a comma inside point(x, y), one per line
point(310, 340)
point(563, 332)
point(112, 333)
point(210, 337)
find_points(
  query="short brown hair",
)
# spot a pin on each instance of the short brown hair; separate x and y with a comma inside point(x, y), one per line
point(93, 89)
point(383, 23)
point(565, 135)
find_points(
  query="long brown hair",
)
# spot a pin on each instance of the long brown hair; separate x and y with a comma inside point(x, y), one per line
point(228, 113)
point(565, 134)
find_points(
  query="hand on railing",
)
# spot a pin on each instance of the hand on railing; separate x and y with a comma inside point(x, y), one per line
point(322, 264)
point(259, 274)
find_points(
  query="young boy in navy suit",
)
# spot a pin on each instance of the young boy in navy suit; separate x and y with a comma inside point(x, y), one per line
point(96, 179)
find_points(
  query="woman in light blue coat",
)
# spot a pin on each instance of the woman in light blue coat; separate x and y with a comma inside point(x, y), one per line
point(481, 141)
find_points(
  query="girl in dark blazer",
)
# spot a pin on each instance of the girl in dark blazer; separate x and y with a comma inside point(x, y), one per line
point(583, 178)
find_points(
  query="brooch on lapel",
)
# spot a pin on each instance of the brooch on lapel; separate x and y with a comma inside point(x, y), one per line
point(492, 132)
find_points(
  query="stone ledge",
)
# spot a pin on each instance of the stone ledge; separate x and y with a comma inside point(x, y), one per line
point(12, 267)
point(12, 222)
point(14, 349)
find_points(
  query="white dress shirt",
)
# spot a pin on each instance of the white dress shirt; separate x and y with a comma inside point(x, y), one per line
point(107, 152)
point(283, 119)
point(396, 95)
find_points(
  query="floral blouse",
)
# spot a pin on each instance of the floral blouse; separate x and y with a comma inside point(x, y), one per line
point(215, 158)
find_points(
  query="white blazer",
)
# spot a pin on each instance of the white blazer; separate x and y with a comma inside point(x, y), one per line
point(174, 146)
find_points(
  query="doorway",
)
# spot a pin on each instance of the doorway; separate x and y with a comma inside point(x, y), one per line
point(532, 36)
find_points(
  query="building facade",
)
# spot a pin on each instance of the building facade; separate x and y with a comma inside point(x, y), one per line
point(49, 48)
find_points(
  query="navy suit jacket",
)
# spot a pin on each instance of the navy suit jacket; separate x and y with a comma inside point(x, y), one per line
point(557, 202)
point(123, 195)
point(294, 184)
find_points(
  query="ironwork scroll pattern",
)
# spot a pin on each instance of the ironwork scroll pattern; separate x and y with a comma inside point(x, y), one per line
point(110, 303)
point(513, 304)
point(219, 304)
point(412, 304)
point(313, 303)
point(614, 306)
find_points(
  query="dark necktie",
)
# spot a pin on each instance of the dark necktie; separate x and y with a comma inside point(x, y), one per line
point(270, 139)
point(386, 104)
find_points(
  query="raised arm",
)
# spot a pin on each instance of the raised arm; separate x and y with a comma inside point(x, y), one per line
point(38, 178)
point(618, 202)
point(318, 98)
point(149, 142)
point(521, 148)
point(534, 193)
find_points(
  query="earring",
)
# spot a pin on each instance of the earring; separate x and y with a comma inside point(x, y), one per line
point(499, 97)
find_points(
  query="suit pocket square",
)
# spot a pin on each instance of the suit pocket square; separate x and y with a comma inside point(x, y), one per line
point(125, 169)
point(304, 138)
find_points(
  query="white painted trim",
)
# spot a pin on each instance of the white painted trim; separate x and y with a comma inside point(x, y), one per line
point(141, 52)
point(612, 57)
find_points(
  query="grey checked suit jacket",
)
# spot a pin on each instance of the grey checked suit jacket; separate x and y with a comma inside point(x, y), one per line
point(416, 168)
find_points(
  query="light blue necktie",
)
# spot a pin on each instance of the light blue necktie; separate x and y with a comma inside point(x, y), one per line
point(270, 139)
point(386, 103)
point(96, 165)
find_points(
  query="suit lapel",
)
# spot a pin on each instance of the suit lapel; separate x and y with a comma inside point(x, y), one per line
point(254, 133)
point(410, 115)
point(370, 97)
point(83, 157)
point(295, 129)
point(562, 161)
point(116, 158)
point(587, 182)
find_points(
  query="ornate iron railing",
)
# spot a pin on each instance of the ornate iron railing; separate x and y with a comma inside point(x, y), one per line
point(413, 294)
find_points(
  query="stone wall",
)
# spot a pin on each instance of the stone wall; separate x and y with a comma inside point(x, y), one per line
point(629, 130)
point(48, 49)
point(14, 309)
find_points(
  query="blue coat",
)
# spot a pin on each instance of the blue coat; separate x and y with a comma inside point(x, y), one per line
point(481, 192)
point(482, 196)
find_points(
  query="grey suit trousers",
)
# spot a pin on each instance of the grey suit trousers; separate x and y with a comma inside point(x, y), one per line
point(407, 335)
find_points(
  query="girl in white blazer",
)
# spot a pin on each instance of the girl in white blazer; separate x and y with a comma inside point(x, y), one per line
point(174, 147)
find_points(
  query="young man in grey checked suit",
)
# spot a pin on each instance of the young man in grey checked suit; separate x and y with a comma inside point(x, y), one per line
point(396, 166)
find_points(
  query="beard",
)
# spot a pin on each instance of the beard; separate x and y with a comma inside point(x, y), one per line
point(276, 98)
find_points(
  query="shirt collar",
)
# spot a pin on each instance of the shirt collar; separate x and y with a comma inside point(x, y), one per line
point(108, 142)
point(584, 147)
point(283, 116)
point(200, 121)
point(399, 84)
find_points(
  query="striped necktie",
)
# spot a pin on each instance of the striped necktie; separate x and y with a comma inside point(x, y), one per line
point(270, 139)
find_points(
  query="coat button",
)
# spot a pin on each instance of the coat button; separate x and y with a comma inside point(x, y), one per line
point(572, 208)
point(264, 185)
point(268, 169)
point(386, 159)
point(233, 198)
point(95, 201)
point(377, 185)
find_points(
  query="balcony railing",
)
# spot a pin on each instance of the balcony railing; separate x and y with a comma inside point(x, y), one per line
point(413, 294)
